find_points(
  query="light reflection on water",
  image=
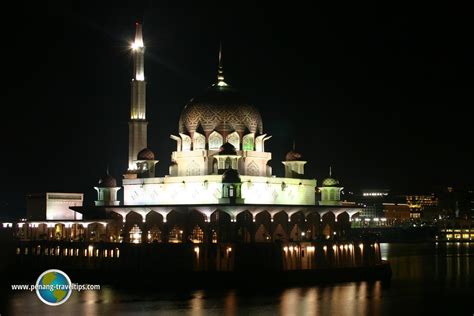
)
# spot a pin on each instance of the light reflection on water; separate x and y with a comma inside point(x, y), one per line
point(427, 278)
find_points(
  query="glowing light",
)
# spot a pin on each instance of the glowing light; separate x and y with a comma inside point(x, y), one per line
point(325, 248)
point(291, 248)
point(196, 250)
point(285, 249)
point(334, 248)
point(137, 45)
point(361, 246)
point(302, 233)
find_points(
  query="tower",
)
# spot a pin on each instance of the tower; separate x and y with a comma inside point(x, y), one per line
point(107, 189)
point(137, 127)
point(294, 164)
point(330, 191)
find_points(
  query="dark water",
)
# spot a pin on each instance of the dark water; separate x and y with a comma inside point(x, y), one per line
point(427, 279)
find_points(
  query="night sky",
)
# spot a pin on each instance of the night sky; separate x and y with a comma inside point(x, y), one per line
point(381, 94)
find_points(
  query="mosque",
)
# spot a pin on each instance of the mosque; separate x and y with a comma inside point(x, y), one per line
point(219, 172)
point(220, 190)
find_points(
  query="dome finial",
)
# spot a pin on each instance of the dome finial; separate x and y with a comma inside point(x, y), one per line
point(294, 145)
point(220, 69)
point(330, 171)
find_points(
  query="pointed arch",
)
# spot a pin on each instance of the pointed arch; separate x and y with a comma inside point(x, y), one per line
point(234, 140)
point(263, 218)
point(295, 234)
point(153, 218)
point(186, 145)
point(248, 142)
point(199, 141)
point(215, 141)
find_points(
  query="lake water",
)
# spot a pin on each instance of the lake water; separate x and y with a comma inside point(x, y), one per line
point(427, 279)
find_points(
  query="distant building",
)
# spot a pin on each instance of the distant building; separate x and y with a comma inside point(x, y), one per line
point(372, 201)
point(422, 206)
point(394, 212)
point(456, 203)
point(53, 206)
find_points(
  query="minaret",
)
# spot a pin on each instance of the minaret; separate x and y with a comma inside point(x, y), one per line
point(294, 164)
point(220, 70)
point(137, 132)
point(330, 191)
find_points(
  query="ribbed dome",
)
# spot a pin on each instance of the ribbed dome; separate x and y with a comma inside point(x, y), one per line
point(227, 149)
point(145, 154)
point(107, 181)
point(222, 109)
point(231, 176)
point(330, 182)
point(293, 156)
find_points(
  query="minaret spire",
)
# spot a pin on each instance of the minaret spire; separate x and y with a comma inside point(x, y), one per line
point(220, 69)
point(138, 49)
point(137, 136)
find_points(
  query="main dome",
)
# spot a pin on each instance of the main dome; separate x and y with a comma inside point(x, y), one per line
point(220, 109)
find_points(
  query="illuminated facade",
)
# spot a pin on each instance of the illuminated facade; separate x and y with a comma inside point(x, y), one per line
point(53, 206)
point(419, 203)
point(219, 208)
point(220, 186)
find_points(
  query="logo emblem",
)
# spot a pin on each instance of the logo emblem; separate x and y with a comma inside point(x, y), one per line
point(53, 287)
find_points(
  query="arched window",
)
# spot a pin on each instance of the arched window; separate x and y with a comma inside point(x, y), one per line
point(199, 141)
point(186, 142)
point(247, 142)
point(234, 140)
point(215, 141)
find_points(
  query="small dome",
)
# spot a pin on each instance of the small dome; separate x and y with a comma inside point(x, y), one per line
point(293, 156)
point(227, 149)
point(330, 182)
point(231, 176)
point(107, 181)
point(146, 154)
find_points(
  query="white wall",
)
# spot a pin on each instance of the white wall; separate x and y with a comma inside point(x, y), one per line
point(207, 190)
point(57, 206)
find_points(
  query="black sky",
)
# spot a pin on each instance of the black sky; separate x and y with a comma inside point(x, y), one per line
point(383, 94)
